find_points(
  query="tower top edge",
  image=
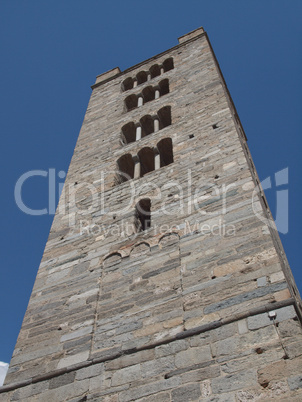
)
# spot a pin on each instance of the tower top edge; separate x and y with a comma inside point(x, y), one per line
point(114, 72)
point(191, 35)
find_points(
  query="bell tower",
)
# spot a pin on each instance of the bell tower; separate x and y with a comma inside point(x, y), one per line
point(163, 277)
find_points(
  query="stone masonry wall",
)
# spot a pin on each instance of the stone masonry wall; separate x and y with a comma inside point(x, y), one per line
point(251, 359)
point(180, 311)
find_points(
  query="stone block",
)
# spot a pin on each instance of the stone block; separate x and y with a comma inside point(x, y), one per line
point(65, 392)
point(294, 349)
point(30, 391)
point(158, 366)
point(90, 372)
point(242, 326)
point(193, 356)
point(295, 382)
point(161, 397)
point(76, 334)
point(70, 360)
point(171, 348)
point(290, 329)
point(200, 374)
point(61, 380)
point(205, 388)
point(229, 397)
point(126, 375)
point(263, 320)
point(190, 392)
point(261, 281)
point(282, 295)
point(278, 370)
point(277, 277)
point(241, 380)
point(149, 389)
point(257, 293)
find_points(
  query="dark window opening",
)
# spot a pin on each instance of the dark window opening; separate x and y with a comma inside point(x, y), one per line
point(147, 124)
point(168, 64)
point(155, 71)
point(146, 158)
point(125, 166)
point(131, 102)
point(164, 115)
point(164, 87)
point(127, 84)
point(165, 149)
point(148, 94)
point(129, 132)
point(143, 214)
point(141, 77)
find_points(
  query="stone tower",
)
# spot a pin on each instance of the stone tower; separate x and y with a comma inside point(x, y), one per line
point(163, 277)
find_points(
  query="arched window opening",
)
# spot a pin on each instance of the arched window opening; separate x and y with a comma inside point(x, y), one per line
point(148, 94)
point(129, 132)
point(143, 214)
point(131, 102)
point(147, 125)
point(146, 158)
point(164, 115)
point(127, 84)
point(165, 149)
point(168, 64)
point(125, 166)
point(141, 77)
point(155, 71)
point(164, 87)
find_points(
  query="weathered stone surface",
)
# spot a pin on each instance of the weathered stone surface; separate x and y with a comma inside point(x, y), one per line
point(295, 382)
point(241, 380)
point(126, 375)
point(245, 296)
point(74, 359)
point(62, 380)
point(278, 370)
point(263, 320)
point(242, 327)
point(190, 392)
point(192, 356)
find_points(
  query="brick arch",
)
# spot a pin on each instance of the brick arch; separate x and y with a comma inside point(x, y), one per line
point(139, 249)
point(112, 259)
point(168, 238)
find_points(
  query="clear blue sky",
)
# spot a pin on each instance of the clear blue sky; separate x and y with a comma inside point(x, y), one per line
point(51, 53)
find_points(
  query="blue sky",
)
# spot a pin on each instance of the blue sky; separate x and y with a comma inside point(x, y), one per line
point(51, 53)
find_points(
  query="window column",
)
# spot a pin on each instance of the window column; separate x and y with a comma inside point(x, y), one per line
point(138, 135)
point(137, 167)
point(140, 101)
point(156, 158)
point(156, 124)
